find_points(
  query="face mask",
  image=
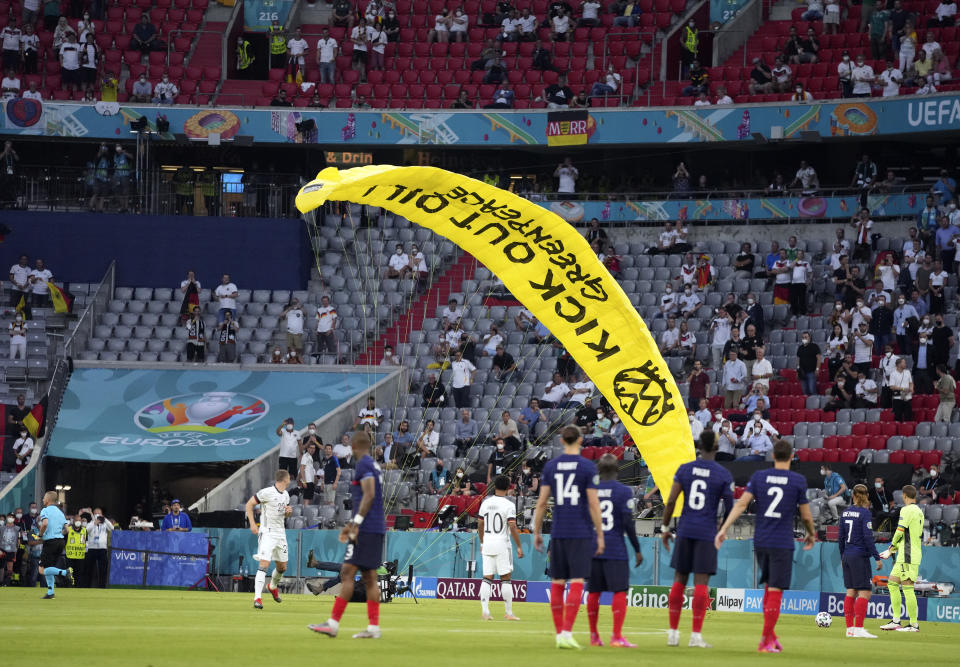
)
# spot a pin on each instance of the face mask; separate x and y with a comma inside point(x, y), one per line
point(83, 524)
point(23, 435)
point(599, 415)
point(9, 519)
point(888, 354)
point(806, 341)
point(76, 524)
point(877, 485)
point(312, 431)
point(19, 515)
point(750, 302)
point(718, 416)
point(823, 472)
point(756, 418)
point(846, 59)
point(926, 321)
point(459, 474)
point(669, 290)
point(923, 341)
point(388, 353)
point(799, 90)
point(933, 473)
point(838, 307)
point(33, 511)
point(615, 419)
point(499, 447)
point(859, 304)
point(289, 427)
point(901, 301)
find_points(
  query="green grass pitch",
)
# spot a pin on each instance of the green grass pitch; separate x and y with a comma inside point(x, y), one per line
point(131, 628)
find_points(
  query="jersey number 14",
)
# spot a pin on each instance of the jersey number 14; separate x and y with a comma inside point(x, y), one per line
point(567, 492)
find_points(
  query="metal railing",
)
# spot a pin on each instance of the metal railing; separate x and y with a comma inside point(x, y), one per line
point(87, 322)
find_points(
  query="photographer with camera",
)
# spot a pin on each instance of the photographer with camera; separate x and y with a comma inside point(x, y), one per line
point(901, 389)
point(98, 538)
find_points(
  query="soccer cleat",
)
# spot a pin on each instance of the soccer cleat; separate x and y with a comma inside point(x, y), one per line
point(48, 596)
point(367, 634)
point(595, 640)
point(776, 643)
point(486, 617)
point(768, 647)
point(315, 587)
point(909, 628)
point(892, 625)
point(510, 617)
point(621, 642)
point(257, 604)
point(851, 633)
point(673, 638)
point(324, 629)
point(311, 561)
point(70, 579)
point(696, 641)
point(863, 634)
point(568, 643)
point(275, 592)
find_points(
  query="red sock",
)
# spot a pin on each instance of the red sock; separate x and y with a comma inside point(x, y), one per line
point(860, 613)
point(701, 600)
point(619, 607)
point(771, 612)
point(339, 606)
point(848, 610)
point(556, 606)
point(373, 612)
point(676, 604)
point(593, 611)
point(572, 605)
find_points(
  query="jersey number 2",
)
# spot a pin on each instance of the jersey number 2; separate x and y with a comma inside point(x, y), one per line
point(777, 494)
point(566, 491)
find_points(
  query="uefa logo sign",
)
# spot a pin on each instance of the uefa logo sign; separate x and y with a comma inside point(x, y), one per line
point(208, 412)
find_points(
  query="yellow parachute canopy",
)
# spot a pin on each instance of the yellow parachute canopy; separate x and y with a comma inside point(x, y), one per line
point(549, 267)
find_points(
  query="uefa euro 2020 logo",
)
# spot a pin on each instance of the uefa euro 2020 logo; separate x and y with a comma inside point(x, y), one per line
point(211, 412)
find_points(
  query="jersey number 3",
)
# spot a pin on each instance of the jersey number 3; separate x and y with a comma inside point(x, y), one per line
point(606, 515)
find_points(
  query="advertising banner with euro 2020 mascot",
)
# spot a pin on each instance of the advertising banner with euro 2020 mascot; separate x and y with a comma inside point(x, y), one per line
point(190, 416)
point(549, 267)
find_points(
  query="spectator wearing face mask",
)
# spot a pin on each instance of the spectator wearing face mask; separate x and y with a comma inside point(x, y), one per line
point(23, 449)
point(9, 547)
point(946, 387)
point(809, 358)
point(931, 488)
point(18, 338)
point(668, 302)
point(689, 302)
point(497, 463)
point(757, 442)
point(901, 317)
point(836, 490)
point(733, 381)
point(881, 324)
point(882, 504)
point(98, 538)
point(460, 486)
point(289, 447)
point(76, 549)
point(923, 365)
point(866, 394)
point(331, 469)
point(696, 426)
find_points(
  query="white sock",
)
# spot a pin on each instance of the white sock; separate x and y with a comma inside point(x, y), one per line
point(373, 628)
point(566, 634)
point(276, 577)
point(506, 590)
point(485, 590)
point(258, 584)
point(333, 624)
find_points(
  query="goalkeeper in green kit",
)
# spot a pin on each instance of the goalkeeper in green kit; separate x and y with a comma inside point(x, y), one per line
point(906, 544)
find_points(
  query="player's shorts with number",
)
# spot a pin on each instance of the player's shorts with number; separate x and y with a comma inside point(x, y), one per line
point(776, 567)
point(571, 558)
point(905, 571)
point(856, 572)
point(366, 553)
point(272, 546)
point(697, 556)
point(498, 561)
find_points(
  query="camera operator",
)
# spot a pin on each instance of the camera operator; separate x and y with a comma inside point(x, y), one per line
point(98, 537)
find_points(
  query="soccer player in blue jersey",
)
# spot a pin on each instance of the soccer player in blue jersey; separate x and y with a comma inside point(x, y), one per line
point(610, 571)
point(779, 493)
point(364, 535)
point(704, 483)
point(856, 549)
point(577, 533)
point(50, 530)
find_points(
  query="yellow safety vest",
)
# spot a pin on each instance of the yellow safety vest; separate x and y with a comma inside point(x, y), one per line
point(690, 39)
point(246, 58)
point(278, 44)
point(76, 543)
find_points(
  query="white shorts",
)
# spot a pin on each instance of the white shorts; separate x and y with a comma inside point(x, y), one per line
point(272, 546)
point(499, 562)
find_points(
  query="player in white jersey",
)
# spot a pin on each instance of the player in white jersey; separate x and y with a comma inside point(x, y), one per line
point(271, 535)
point(496, 525)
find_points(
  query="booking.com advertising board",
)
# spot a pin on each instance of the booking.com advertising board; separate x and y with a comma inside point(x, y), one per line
point(153, 416)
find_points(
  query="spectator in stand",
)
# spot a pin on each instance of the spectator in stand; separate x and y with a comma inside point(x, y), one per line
point(529, 417)
point(509, 27)
point(307, 474)
point(542, 58)
point(808, 364)
point(377, 37)
point(20, 281)
point(32, 93)
point(330, 465)
point(611, 83)
point(555, 393)
point(627, 13)
point(800, 94)
point(497, 463)
point(459, 25)
point(326, 327)
point(698, 385)
point(464, 373)
point(39, 279)
point(508, 431)
point(441, 27)
point(29, 46)
point(344, 452)
point(60, 33)
point(670, 338)
point(504, 365)
point(901, 317)
point(945, 15)
point(398, 265)
point(360, 39)
point(689, 302)
point(891, 78)
point(901, 388)
point(566, 175)
point(761, 78)
point(754, 313)
point(226, 294)
point(503, 97)
point(845, 73)
point(429, 441)
point(10, 38)
point(757, 442)
point(862, 342)
point(720, 326)
point(946, 387)
point(922, 363)
point(792, 47)
point(561, 27)
point(801, 275)
point(389, 358)
point(762, 370)
point(937, 281)
point(744, 261)
point(166, 92)
point(279, 100)
point(930, 488)
point(465, 433)
point(326, 57)
point(699, 80)
point(944, 189)
point(862, 77)
point(418, 267)
point(734, 380)
point(434, 393)
point(942, 340)
point(196, 337)
point(294, 314)
point(814, 11)
point(142, 91)
point(881, 325)
point(22, 448)
point(462, 101)
point(10, 86)
point(589, 14)
point(782, 75)
point(227, 334)
point(145, 35)
point(941, 67)
point(866, 393)
point(89, 61)
point(70, 53)
point(559, 94)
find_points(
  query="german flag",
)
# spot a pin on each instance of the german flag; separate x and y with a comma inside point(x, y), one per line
point(23, 307)
point(36, 421)
point(62, 299)
point(190, 299)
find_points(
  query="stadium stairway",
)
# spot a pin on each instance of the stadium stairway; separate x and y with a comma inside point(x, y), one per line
point(420, 309)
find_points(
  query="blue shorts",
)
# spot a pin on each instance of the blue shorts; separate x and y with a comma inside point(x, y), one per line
point(856, 572)
point(697, 556)
point(570, 558)
point(367, 552)
point(608, 575)
point(776, 567)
